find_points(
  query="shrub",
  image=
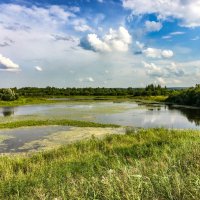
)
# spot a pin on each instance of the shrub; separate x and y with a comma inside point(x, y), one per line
point(8, 95)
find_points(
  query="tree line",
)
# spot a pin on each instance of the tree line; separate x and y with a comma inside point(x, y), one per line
point(190, 97)
point(149, 90)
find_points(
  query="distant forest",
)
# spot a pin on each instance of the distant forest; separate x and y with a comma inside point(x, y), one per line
point(187, 96)
point(150, 90)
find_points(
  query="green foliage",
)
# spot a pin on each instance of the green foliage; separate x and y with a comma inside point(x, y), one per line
point(8, 95)
point(29, 95)
point(52, 91)
point(27, 101)
point(150, 90)
point(64, 122)
point(145, 164)
point(189, 97)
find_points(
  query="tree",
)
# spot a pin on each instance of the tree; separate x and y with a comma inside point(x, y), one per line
point(8, 95)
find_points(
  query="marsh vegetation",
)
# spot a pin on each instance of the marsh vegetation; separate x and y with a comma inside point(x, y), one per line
point(143, 164)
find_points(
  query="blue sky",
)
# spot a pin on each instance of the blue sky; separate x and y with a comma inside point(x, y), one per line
point(105, 43)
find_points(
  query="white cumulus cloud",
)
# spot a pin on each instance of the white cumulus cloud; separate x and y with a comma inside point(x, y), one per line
point(152, 69)
point(8, 65)
point(116, 40)
point(167, 53)
point(158, 53)
point(152, 53)
point(187, 11)
point(164, 71)
point(97, 43)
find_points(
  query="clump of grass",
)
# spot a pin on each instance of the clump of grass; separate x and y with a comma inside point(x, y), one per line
point(64, 122)
point(152, 164)
point(25, 101)
point(152, 98)
point(131, 130)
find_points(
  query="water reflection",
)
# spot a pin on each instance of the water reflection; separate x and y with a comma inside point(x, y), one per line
point(137, 114)
point(192, 114)
point(8, 111)
point(150, 106)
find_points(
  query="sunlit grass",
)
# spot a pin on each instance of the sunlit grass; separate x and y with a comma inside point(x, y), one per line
point(64, 122)
point(152, 98)
point(41, 100)
point(143, 164)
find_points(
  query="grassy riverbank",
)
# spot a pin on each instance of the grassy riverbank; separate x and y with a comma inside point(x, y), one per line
point(47, 100)
point(26, 101)
point(147, 164)
point(35, 100)
point(39, 100)
point(152, 98)
point(64, 122)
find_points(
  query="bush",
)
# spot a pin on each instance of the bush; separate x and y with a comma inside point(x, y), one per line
point(8, 95)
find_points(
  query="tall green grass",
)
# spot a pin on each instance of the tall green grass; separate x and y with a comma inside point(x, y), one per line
point(64, 122)
point(48, 100)
point(143, 164)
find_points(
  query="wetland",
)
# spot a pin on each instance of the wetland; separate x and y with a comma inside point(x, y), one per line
point(47, 126)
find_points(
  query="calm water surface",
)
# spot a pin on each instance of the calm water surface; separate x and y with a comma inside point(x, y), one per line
point(125, 113)
point(20, 136)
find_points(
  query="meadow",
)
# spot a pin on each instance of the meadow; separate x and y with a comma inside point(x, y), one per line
point(142, 164)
